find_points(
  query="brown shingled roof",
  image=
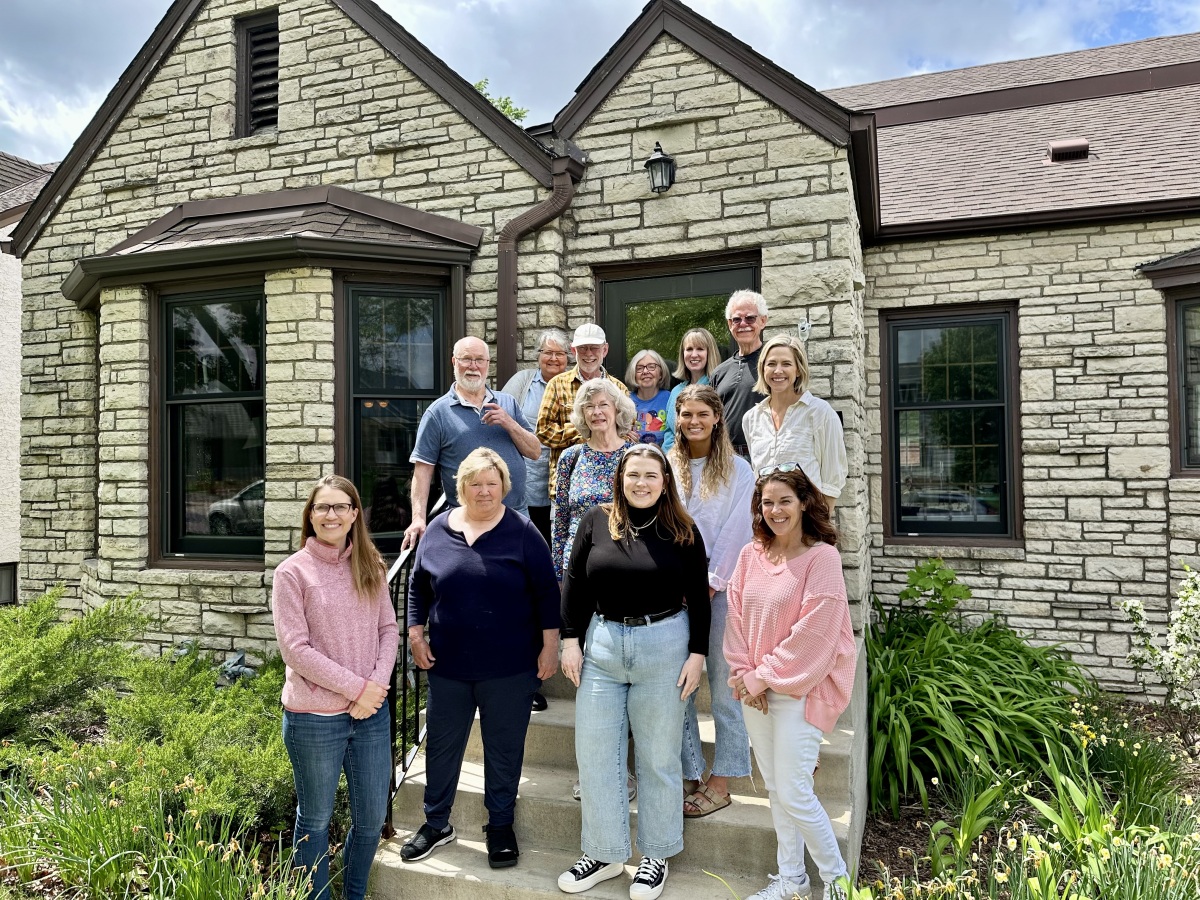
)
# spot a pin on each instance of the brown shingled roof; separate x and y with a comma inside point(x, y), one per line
point(1153, 52)
point(15, 171)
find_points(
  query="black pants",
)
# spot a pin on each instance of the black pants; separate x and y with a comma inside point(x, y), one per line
point(504, 706)
point(540, 516)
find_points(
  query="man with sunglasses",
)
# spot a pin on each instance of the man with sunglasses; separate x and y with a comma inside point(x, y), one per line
point(746, 315)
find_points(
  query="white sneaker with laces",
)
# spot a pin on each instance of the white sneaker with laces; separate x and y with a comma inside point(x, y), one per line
point(588, 873)
point(835, 892)
point(780, 888)
point(650, 879)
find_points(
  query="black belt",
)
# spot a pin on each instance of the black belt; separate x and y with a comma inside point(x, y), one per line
point(643, 620)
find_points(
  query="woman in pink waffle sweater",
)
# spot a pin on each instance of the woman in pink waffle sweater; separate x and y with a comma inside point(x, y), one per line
point(791, 655)
point(337, 633)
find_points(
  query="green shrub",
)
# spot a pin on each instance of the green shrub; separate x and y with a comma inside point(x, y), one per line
point(51, 669)
point(943, 694)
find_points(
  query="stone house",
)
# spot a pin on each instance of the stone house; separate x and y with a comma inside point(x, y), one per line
point(250, 267)
point(20, 181)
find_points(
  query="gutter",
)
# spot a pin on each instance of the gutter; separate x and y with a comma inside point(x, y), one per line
point(566, 172)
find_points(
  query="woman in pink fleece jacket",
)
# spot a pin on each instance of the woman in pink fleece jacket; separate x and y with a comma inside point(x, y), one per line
point(337, 633)
point(791, 655)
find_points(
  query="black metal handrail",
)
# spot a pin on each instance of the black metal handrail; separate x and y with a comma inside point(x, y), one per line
point(406, 681)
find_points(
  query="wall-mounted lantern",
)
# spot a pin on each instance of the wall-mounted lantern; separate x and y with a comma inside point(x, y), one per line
point(661, 168)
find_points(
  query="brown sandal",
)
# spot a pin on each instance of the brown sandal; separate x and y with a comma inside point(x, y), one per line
point(704, 802)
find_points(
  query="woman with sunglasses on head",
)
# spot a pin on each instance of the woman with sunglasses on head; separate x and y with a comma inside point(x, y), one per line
point(635, 634)
point(337, 634)
point(483, 582)
point(717, 486)
point(791, 654)
point(699, 357)
point(791, 425)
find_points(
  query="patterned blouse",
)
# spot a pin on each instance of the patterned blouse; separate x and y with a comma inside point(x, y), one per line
point(584, 479)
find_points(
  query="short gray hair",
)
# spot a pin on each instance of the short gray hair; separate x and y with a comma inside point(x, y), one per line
point(626, 411)
point(664, 374)
point(555, 335)
point(759, 301)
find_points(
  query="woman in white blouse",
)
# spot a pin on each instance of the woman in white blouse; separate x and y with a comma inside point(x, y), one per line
point(717, 487)
point(791, 425)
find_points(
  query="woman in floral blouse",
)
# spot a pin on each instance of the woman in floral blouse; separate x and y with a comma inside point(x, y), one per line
point(584, 477)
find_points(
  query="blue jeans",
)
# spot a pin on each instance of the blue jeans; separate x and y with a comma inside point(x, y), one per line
point(505, 705)
point(629, 683)
point(731, 758)
point(321, 748)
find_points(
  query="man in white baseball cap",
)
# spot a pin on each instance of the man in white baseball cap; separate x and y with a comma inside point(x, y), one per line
point(554, 428)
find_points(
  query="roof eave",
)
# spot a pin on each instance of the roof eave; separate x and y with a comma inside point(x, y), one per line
point(82, 286)
point(739, 60)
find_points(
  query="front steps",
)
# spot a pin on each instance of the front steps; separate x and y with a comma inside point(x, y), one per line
point(737, 843)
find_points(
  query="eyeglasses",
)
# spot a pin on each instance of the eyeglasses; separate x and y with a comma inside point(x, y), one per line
point(340, 509)
point(648, 367)
point(553, 354)
point(479, 362)
point(738, 320)
point(782, 467)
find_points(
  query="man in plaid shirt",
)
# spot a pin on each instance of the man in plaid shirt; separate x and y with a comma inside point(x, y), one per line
point(554, 428)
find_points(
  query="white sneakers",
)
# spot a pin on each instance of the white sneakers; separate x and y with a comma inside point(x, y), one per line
point(780, 888)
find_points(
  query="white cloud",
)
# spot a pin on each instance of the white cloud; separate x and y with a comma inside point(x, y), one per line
point(41, 126)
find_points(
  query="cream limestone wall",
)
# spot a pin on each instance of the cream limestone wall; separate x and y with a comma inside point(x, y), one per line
point(10, 392)
point(748, 177)
point(350, 115)
point(1104, 519)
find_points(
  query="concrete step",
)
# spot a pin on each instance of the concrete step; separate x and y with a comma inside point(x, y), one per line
point(460, 871)
point(739, 838)
point(551, 744)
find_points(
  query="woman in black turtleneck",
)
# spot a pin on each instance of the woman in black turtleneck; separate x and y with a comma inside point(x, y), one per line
point(635, 628)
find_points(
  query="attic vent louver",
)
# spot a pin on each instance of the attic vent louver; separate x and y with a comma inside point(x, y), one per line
point(259, 74)
point(1067, 150)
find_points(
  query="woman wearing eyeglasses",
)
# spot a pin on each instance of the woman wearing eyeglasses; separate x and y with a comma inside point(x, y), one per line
point(647, 372)
point(716, 486)
point(337, 634)
point(791, 425)
point(791, 655)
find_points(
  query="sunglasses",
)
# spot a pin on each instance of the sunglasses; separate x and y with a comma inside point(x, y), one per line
point(782, 467)
point(738, 320)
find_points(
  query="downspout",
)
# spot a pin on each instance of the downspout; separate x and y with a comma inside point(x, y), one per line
point(566, 171)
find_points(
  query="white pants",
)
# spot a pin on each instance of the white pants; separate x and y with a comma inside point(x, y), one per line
point(786, 747)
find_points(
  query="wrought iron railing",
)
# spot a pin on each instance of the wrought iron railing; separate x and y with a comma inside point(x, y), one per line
point(406, 699)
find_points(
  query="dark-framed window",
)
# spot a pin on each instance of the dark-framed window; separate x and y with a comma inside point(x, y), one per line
point(654, 305)
point(8, 583)
point(951, 424)
point(258, 73)
point(1186, 349)
point(212, 461)
point(396, 339)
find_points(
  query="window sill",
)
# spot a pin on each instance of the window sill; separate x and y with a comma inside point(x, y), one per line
point(955, 547)
point(206, 564)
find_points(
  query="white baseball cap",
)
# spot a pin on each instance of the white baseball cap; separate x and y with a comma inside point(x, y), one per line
point(589, 333)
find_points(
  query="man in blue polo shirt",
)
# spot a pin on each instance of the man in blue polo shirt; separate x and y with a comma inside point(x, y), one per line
point(469, 416)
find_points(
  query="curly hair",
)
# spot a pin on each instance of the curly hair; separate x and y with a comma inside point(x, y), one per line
point(816, 524)
point(718, 467)
point(671, 512)
point(623, 407)
point(366, 565)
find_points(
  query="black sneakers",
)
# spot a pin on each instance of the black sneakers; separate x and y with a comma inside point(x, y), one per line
point(425, 841)
point(650, 879)
point(501, 846)
point(539, 702)
point(588, 873)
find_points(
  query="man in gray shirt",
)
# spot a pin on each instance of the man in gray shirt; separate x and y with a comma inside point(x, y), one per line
point(468, 416)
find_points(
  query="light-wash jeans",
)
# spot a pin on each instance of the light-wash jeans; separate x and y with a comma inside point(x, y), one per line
point(731, 757)
point(786, 748)
point(629, 683)
point(321, 748)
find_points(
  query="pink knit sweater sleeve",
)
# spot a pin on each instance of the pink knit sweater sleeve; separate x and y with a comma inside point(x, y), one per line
point(737, 653)
point(295, 646)
point(389, 639)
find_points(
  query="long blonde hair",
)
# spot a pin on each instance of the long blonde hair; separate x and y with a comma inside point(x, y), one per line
point(718, 466)
point(671, 512)
point(366, 565)
point(713, 356)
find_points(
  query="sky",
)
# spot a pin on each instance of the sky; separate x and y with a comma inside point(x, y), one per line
point(59, 58)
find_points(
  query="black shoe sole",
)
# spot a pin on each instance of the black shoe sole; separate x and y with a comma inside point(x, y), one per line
point(502, 863)
point(448, 839)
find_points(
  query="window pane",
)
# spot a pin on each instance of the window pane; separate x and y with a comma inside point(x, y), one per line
point(8, 583)
point(1189, 355)
point(216, 347)
point(386, 430)
point(948, 364)
point(395, 338)
point(949, 465)
point(661, 324)
point(220, 468)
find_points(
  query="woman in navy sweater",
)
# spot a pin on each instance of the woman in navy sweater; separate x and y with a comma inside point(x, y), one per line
point(483, 581)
